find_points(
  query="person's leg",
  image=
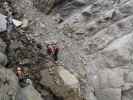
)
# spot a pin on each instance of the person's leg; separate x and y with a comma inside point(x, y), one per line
point(55, 56)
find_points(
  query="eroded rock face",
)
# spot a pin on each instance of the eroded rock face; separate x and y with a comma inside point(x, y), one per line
point(97, 41)
point(98, 38)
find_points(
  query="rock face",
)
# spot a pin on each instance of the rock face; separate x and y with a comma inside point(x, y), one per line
point(97, 46)
point(97, 42)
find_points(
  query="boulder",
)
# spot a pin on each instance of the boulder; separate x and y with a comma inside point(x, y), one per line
point(67, 78)
point(61, 82)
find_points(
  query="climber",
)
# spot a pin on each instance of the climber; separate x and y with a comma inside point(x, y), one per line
point(10, 25)
point(27, 76)
point(26, 73)
point(56, 50)
point(20, 74)
point(23, 76)
point(52, 50)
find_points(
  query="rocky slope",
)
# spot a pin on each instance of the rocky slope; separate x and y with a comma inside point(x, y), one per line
point(96, 41)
